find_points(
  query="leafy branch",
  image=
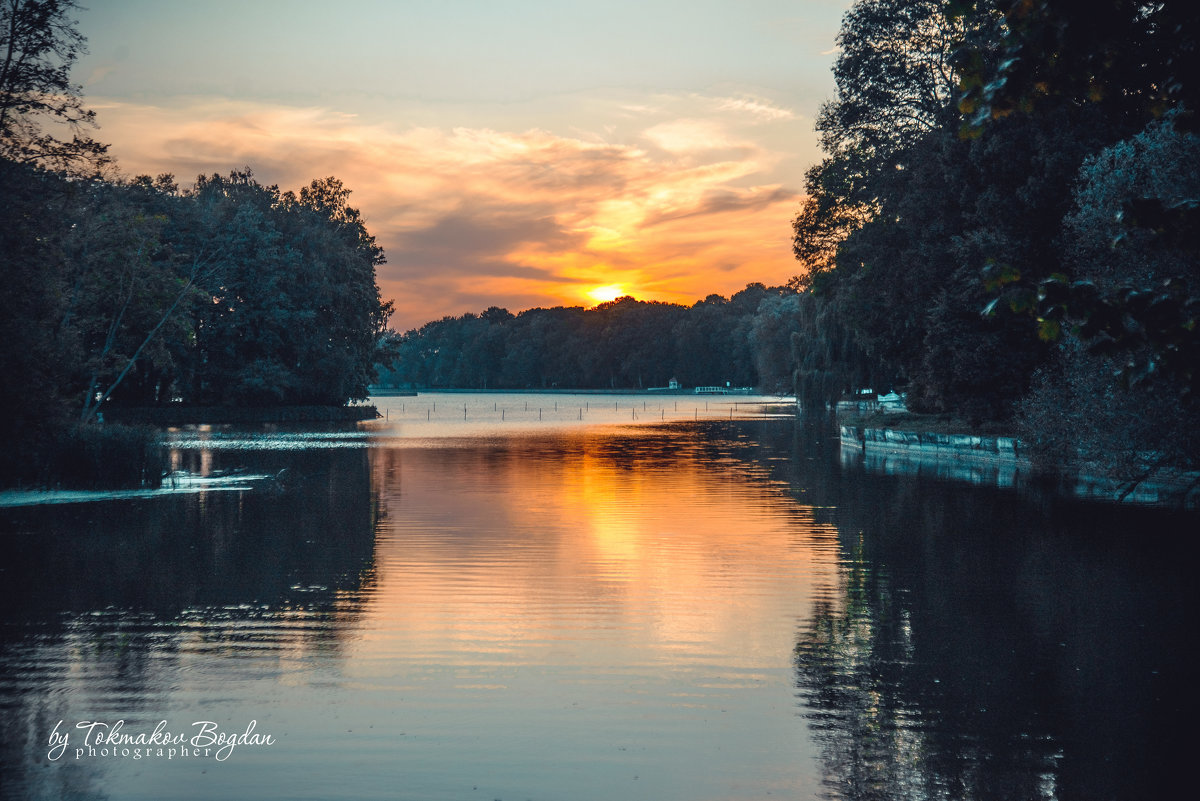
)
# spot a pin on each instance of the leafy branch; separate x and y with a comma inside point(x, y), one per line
point(1154, 327)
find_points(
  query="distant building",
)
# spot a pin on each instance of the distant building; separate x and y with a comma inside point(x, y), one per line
point(673, 383)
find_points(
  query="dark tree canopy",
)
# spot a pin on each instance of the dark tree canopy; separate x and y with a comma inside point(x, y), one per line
point(894, 85)
point(895, 93)
point(288, 308)
point(1004, 155)
point(1136, 59)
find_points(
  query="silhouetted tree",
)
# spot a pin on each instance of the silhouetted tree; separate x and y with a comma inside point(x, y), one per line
point(43, 121)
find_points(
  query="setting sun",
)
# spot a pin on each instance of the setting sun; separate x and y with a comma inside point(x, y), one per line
point(604, 294)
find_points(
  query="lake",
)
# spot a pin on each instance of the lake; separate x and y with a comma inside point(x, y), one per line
point(558, 596)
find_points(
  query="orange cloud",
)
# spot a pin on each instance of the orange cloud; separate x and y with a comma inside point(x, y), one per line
point(672, 199)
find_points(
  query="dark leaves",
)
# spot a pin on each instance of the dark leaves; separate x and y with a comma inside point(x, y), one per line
point(1155, 326)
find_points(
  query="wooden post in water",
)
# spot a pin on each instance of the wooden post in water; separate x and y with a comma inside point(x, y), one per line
point(539, 414)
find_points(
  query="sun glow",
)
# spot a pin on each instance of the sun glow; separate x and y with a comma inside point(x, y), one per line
point(475, 230)
point(604, 294)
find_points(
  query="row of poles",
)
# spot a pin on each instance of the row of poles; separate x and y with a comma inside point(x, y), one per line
point(430, 410)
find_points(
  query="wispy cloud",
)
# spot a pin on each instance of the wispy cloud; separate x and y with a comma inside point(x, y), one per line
point(755, 107)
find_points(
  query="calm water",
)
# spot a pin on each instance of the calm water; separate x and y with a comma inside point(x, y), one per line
point(589, 597)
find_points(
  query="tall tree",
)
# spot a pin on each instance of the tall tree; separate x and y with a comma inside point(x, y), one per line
point(895, 87)
point(881, 197)
point(42, 117)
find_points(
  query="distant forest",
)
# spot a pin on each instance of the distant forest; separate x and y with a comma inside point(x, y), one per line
point(622, 344)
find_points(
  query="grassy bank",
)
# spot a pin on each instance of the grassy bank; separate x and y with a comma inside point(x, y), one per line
point(88, 456)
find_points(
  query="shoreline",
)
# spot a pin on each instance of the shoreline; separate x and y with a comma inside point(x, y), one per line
point(220, 415)
point(560, 391)
point(1003, 450)
point(1005, 461)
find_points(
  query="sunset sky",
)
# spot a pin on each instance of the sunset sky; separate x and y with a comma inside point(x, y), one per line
point(509, 153)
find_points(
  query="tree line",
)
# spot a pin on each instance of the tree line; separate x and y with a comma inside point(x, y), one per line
point(622, 344)
point(140, 292)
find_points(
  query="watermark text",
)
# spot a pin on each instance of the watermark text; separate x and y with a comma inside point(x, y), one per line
point(96, 739)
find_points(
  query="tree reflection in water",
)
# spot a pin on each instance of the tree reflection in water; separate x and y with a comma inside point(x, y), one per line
point(119, 609)
point(986, 645)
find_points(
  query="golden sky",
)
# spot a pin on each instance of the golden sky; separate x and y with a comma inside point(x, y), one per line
point(503, 153)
